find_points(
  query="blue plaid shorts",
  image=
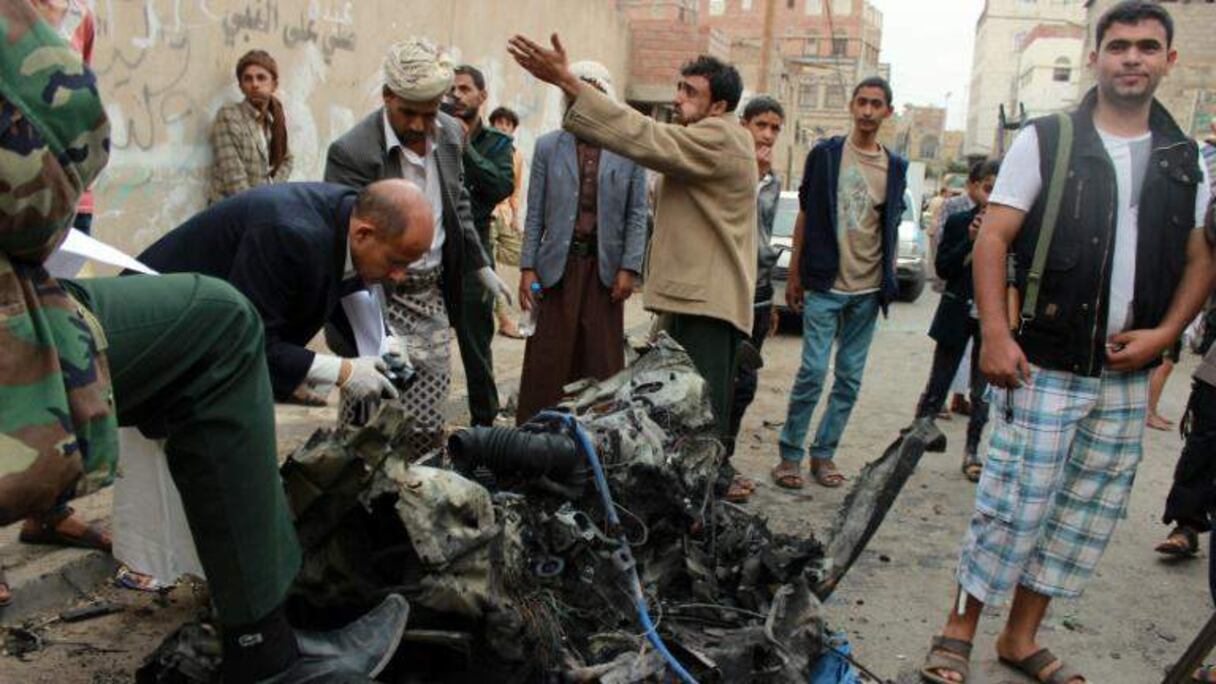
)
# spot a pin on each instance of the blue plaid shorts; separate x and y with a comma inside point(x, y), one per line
point(1055, 482)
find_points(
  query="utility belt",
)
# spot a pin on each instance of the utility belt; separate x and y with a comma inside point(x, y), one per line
point(586, 246)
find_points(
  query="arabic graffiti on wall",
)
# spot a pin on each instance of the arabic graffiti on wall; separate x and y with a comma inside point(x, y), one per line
point(166, 66)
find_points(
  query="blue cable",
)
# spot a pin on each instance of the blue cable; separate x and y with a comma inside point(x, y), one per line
point(635, 583)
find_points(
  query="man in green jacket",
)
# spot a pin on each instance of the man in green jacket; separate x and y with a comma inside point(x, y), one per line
point(489, 175)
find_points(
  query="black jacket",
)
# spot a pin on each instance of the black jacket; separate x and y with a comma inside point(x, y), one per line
point(951, 322)
point(1068, 331)
point(284, 247)
point(359, 158)
point(820, 262)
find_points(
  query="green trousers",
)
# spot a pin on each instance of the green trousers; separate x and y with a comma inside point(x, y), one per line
point(713, 345)
point(474, 333)
point(188, 365)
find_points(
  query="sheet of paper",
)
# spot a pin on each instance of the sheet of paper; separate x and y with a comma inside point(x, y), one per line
point(366, 315)
point(81, 245)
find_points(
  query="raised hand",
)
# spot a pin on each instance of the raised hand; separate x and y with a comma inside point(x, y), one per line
point(549, 65)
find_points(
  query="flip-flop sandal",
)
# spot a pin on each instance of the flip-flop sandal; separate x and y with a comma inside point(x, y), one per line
point(7, 596)
point(1036, 662)
point(737, 493)
point(827, 476)
point(953, 655)
point(48, 534)
point(787, 479)
point(1205, 674)
point(973, 467)
point(1187, 550)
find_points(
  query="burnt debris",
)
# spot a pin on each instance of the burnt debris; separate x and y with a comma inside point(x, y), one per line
point(585, 546)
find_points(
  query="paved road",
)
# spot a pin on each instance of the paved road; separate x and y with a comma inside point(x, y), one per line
point(1139, 612)
point(1136, 618)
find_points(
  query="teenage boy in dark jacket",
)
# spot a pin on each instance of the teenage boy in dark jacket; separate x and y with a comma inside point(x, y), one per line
point(842, 272)
point(956, 321)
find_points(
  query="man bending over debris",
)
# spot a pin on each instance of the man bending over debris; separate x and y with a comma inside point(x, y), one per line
point(294, 249)
point(701, 274)
point(180, 356)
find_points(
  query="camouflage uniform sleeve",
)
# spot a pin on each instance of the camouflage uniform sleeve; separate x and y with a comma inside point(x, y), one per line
point(57, 417)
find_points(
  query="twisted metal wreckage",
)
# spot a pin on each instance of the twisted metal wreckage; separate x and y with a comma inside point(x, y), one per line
point(588, 545)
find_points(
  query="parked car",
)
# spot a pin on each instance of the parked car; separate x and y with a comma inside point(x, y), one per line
point(783, 241)
point(912, 263)
point(911, 266)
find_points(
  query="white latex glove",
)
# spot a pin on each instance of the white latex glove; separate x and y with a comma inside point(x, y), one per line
point(494, 284)
point(397, 354)
point(367, 379)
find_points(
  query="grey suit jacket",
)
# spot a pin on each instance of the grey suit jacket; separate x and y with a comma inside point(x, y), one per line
point(360, 158)
point(553, 208)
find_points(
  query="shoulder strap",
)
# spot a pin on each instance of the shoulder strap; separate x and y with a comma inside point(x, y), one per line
point(1051, 212)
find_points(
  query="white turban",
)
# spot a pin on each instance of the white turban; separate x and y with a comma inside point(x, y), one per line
point(416, 71)
point(595, 73)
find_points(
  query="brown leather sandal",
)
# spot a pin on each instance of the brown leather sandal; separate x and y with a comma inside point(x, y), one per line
point(1034, 664)
point(787, 478)
point(825, 473)
point(950, 655)
point(46, 531)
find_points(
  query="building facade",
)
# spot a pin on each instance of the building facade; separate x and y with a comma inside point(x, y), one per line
point(664, 34)
point(808, 54)
point(1050, 70)
point(1189, 92)
point(1000, 33)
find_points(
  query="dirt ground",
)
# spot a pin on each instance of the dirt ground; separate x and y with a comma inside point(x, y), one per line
point(1136, 618)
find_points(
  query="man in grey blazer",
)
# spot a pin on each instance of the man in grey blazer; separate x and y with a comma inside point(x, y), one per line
point(584, 241)
point(410, 138)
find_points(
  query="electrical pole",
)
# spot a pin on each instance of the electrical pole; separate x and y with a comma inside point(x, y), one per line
point(766, 44)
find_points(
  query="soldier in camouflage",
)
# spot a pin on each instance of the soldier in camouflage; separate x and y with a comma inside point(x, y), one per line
point(79, 358)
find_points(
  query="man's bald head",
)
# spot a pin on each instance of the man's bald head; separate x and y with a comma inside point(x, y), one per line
point(391, 226)
point(392, 205)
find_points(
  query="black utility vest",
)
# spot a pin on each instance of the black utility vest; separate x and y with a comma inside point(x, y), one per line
point(1068, 331)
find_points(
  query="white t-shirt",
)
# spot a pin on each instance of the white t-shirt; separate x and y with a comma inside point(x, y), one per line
point(423, 172)
point(1019, 183)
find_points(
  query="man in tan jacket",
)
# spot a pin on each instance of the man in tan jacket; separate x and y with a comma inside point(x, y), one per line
point(702, 270)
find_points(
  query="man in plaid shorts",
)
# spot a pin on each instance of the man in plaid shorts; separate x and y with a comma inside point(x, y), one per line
point(1123, 267)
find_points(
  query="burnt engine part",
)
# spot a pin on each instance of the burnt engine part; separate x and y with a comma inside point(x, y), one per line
point(868, 501)
point(542, 570)
point(551, 459)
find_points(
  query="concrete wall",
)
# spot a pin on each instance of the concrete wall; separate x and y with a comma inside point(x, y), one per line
point(166, 66)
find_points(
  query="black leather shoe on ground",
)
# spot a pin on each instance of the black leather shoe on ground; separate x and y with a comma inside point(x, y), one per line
point(355, 653)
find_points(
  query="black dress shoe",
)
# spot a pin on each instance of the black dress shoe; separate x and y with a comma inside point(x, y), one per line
point(355, 653)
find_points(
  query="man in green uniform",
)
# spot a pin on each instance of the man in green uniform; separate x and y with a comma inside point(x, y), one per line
point(80, 358)
point(489, 175)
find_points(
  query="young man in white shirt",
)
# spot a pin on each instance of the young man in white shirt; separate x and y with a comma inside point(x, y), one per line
point(1127, 268)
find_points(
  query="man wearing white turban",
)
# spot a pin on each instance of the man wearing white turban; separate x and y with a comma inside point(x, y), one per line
point(410, 138)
